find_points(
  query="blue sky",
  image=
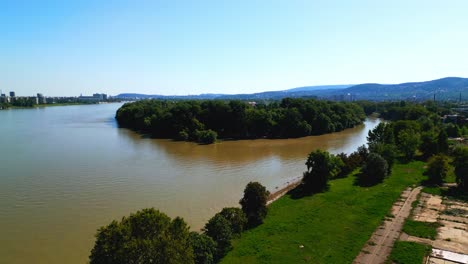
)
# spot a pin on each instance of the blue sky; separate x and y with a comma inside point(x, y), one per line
point(192, 47)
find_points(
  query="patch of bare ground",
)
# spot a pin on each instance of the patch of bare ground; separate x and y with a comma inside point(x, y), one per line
point(451, 242)
point(379, 246)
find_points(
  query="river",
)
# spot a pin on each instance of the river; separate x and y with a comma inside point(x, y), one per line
point(67, 170)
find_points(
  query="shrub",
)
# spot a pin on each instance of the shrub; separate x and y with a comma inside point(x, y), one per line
point(375, 169)
point(437, 168)
point(206, 136)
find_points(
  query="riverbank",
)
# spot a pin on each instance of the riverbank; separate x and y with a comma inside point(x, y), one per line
point(330, 227)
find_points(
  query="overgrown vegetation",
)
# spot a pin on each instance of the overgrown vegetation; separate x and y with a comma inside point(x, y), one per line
point(421, 229)
point(405, 252)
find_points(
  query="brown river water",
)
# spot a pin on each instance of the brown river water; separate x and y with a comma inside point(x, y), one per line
point(65, 171)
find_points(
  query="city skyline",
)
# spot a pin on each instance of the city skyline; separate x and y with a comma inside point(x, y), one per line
point(184, 47)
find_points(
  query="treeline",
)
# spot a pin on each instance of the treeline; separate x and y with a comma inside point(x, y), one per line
point(204, 121)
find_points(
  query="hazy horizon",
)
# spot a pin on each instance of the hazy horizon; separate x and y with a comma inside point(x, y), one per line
point(184, 47)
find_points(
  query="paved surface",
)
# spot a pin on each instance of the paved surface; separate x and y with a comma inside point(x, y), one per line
point(452, 235)
point(380, 244)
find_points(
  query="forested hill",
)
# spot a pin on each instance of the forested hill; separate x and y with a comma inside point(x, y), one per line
point(204, 121)
point(444, 89)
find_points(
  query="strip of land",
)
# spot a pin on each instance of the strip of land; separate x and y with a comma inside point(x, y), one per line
point(381, 242)
point(329, 227)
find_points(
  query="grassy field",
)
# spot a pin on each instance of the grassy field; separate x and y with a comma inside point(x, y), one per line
point(329, 227)
point(408, 252)
point(421, 229)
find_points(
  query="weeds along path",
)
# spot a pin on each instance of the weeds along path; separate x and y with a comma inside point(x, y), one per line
point(380, 244)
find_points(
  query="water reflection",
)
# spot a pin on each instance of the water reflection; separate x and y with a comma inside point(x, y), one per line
point(247, 151)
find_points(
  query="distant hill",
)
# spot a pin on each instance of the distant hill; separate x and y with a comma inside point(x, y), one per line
point(448, 88)
point(443, 89)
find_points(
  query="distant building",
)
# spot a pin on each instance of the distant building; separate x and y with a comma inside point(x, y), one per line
point(41, 99)
point(96, 98)
point(33, 99)
point(12, 94)
point(4, 98)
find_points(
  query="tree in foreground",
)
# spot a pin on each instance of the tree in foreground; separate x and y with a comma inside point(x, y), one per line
point(148, 236)
point(219, 229)
point(374, 170)
point(204, 248)
point(321, 166)
point(460, 162)
point(254, 203)
point(236, 218)
point(437, 168)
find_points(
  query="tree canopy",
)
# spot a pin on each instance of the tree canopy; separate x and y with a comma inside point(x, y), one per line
point(204, 120)
point(148, 236)
point(254, 203)
point(321, 166)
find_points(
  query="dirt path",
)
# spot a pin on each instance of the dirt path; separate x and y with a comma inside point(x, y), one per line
point(380, 244)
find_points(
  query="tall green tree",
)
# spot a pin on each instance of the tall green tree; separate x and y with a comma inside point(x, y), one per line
point(219, 229)
point(148, 236)
point(442, 142)
point(460, 162)
point(204, 248)
point(236, 217)
point(437, 168)
point(409, 141)
point(254, 203)
point(374, 170)
point(321, 166)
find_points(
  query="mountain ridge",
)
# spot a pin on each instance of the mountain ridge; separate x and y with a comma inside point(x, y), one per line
point(448, 88)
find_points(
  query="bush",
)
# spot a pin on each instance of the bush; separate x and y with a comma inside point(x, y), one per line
point(437, 168)
point(375, 169)
point(254, 203)
point(206, 136)
point(183, 135)
point(387, 151)
point(148, 236)
point(204, 248)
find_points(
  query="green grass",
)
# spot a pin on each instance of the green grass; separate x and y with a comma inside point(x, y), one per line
point(432, 190)
point(332, 226)
point(408, 253)
point(421, 229)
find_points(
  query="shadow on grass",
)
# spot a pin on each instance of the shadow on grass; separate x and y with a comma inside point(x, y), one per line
point(449, 192)
point(300, 191)
point(361, 181)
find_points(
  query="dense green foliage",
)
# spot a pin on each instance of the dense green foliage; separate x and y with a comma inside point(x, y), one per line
point(460, 163)
point(219, 229)
point(421, 229)
point(254, 203)
point(437, 168)
point(332, 226)
point(374, 170)
point(321, 167)
point(236, 217)
point(204, 248)
point(190, 120)
point(405, 252)
point(148, 236)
